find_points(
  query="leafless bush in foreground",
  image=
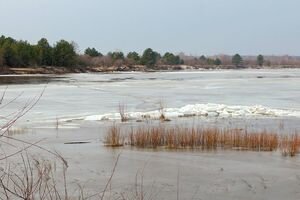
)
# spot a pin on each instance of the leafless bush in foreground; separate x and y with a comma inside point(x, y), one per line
point(32, 179)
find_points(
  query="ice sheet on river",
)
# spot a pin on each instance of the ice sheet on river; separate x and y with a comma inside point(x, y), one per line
point(206, 110)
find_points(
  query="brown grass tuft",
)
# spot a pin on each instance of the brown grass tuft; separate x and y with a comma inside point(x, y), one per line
point(113, 137)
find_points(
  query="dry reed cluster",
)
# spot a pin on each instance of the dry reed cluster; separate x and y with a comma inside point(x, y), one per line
point(290, 145)
point(205, 139)
point(114, 138)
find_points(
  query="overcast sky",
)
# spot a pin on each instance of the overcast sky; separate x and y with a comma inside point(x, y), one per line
point(192, 26)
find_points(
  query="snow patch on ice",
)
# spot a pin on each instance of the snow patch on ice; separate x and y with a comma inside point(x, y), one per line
point(207, 110)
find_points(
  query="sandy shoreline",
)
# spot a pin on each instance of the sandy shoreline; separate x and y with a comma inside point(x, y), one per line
point(137, 68)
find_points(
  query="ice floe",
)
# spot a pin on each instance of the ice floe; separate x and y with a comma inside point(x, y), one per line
point(205, 110)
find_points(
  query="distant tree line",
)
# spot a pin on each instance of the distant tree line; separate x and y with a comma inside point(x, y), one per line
point(236, 61)
point(19, 53)
point(149, 58)
point(15, 53)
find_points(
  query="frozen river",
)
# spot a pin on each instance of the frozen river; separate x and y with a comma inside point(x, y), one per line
point(224, 93)
point(87, 104)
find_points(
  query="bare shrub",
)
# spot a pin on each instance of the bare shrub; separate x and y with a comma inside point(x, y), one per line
point(161, 110)
point(122, 112)
point(32, 179)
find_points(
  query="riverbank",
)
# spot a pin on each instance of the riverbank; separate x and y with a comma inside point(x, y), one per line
point(138, 68)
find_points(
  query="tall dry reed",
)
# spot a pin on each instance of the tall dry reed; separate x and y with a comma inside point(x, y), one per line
point(207, 139)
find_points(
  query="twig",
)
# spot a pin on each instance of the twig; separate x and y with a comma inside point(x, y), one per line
point(111, 176)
